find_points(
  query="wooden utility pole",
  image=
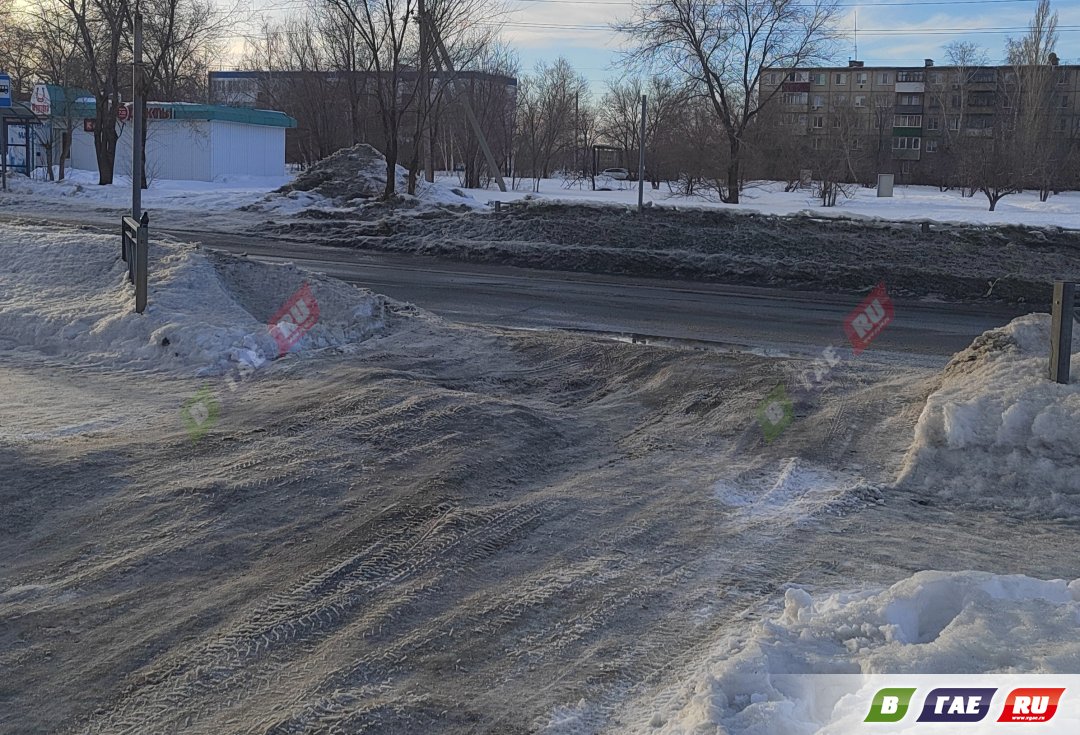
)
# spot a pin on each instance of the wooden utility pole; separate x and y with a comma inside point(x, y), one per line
point(1061, 329)
point(443, 63)
point(425, 96)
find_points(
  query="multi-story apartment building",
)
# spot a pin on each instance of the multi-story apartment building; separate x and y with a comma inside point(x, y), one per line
point(903, 119)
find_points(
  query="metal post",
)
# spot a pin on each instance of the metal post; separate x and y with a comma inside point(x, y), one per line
point(3, 152)
point(142, 248)
point(641, 161)
point(1061, 331)
point(137, 121)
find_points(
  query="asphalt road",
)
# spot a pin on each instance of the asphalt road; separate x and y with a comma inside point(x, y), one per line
point(713, 315)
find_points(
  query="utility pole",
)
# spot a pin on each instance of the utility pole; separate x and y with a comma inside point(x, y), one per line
point(443, 62)
point(641, 161)
point(425, 95)
point(137, 120)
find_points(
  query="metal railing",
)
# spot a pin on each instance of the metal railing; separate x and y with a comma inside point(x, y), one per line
point(134, 247)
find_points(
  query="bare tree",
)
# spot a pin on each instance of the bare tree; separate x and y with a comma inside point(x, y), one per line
point(721, 47)
point(546, 104)
point(101, 31)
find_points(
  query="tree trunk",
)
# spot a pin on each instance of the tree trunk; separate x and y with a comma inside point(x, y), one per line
point(65, 151)
point(391, 163)
point(733, 171)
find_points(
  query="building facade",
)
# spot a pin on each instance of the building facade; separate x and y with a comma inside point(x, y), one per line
point(916, 122)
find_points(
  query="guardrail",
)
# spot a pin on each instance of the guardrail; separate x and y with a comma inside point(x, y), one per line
point(1061, 330)
point(134, 247)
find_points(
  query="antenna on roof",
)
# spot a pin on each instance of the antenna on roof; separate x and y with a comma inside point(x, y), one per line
point(856, 34)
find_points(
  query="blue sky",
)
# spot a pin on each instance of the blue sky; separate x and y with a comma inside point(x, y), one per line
point(890, 31)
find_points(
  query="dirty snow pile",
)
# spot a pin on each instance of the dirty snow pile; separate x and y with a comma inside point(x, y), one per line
point(932, 622)
point(65, 294)
point(998, 432)
point(352, 176)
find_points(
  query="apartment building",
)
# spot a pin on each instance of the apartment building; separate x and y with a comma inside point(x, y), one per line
point(903, 119)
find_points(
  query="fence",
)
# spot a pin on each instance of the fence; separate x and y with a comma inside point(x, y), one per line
point(134, 246)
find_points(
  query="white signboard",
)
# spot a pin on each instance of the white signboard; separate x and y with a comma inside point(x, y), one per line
point(5, 90)
point(40, 102)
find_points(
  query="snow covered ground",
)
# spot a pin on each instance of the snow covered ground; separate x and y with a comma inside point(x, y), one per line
point(66, 295)
point(425, 526)
point(908, 202)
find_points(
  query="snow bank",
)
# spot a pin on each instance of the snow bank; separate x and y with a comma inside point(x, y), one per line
point(932, 622)
point(65, 294)
point(998, 431)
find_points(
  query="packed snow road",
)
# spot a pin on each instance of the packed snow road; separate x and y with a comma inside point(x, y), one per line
point(409, 525)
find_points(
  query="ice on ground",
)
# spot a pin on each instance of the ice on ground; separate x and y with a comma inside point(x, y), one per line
point(352, 176)
point(998, 431)
point(931, 622)
point(794, 494)
point(66, 294)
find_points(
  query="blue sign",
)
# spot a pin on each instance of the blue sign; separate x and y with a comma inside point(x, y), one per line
point(5, 90)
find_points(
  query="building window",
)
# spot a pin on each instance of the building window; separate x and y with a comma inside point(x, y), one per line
point(911, 100)
point(956, 100)
point(818, 143)
point(836, 121)
point(856, 144)
point(818, 102)
point(884, 77)
point(908, 121)
point(1062, 125)
point(840, 78)
point(819, 79)
point(860, 100)
point(819, 121)
point(841, 99)
point(935, 77)
point(799, 76)
point(1064, 100)
point(802, 121)
point(794, 98)
point(932, 123)
point(861, 77)
point(909, 76)
point(1062, 77)
point(931, 146)
point(906, 144)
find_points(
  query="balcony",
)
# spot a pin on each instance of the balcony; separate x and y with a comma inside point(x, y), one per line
point(910, 87)
point(903, 154)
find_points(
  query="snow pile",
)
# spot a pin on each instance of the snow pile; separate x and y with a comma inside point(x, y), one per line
point(998, 431)
point(353, 176)
point(65, 294)
point(932, 622)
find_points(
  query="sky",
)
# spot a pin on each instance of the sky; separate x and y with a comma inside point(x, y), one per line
point(901, 32)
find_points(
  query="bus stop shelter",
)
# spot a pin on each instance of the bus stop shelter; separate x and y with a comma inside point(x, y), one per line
point(19, 146)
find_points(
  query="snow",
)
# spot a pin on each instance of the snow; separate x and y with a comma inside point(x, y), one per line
point(998, 431)
point(226, 193)
point(761, 681)
point(65, 294)
point(920, 203)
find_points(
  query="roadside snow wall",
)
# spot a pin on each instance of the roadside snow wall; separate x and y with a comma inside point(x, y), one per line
point(998, 432)
point(65, 294)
